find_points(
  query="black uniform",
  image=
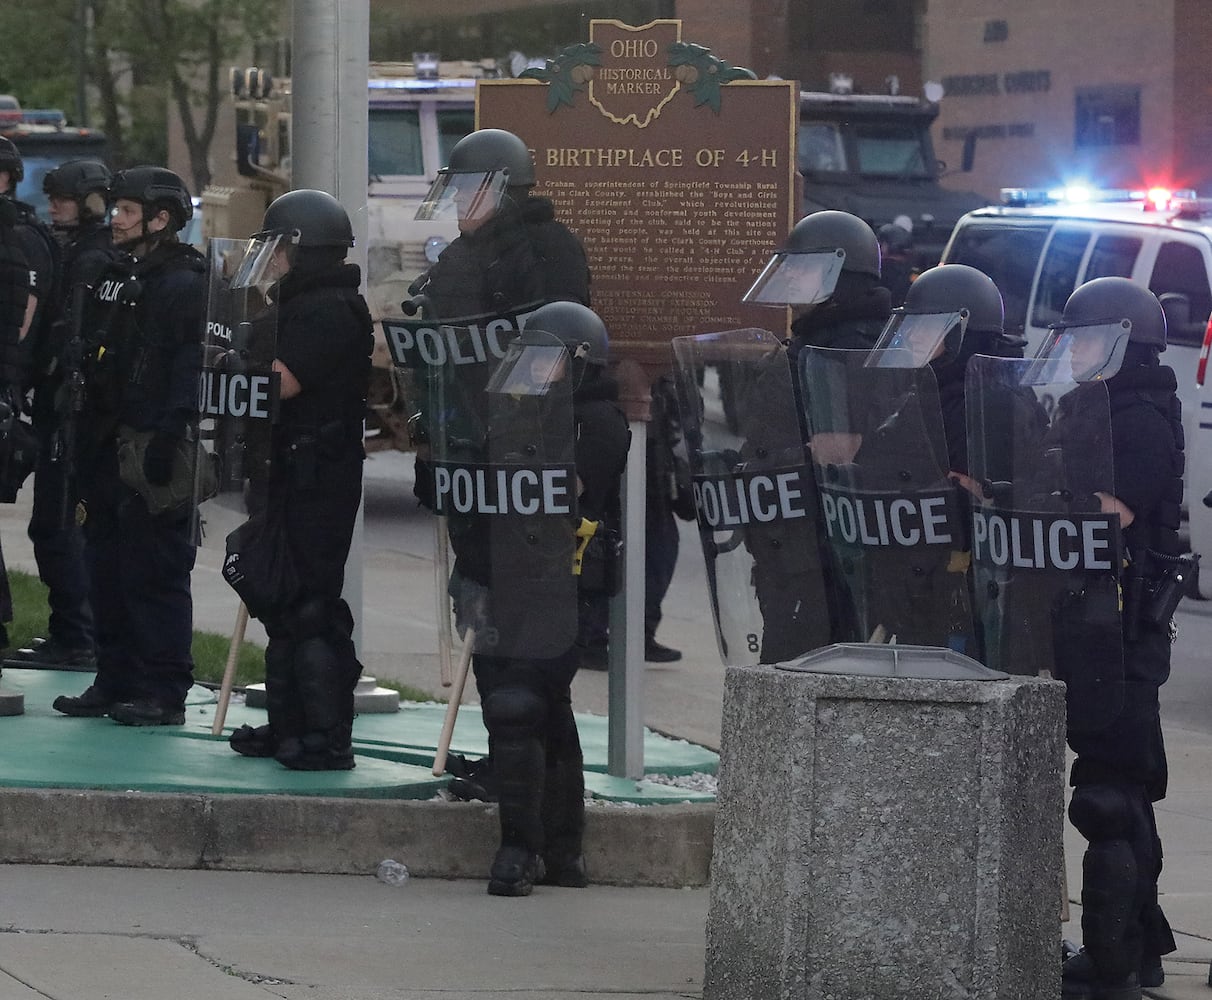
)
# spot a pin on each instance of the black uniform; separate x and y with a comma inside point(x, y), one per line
point(519, 259)
point(144, 327)
point(325, 338)
point(86, 251)
point(527, 703)
point(17, 282)
point(1120, 771)
point(667, 497)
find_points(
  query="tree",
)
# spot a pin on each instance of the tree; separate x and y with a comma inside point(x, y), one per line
point(142, 57)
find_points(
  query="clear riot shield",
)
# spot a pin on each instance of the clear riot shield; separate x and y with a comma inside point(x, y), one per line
point(238, 389)
point(1046, 558)
point(754, 496)
point(891, 515)
point(505, 480)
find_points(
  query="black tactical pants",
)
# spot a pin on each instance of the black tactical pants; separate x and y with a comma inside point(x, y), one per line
point(536, 752)
point(59, 547)
point(1121, 771)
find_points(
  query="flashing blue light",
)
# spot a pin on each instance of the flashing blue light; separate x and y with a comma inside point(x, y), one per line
point(397, 83)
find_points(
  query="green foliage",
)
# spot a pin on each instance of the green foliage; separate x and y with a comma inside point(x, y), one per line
point(140, 57)
point(567, 73)
point(703, 73)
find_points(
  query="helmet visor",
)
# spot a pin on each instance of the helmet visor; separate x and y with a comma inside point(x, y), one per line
point(916, 339)
point(463, 197)
point(797, 279)
point(1085, 353)
point(252, 268)
point(529, 369)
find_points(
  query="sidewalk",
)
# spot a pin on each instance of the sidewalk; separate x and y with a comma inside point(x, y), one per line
point(86, 933)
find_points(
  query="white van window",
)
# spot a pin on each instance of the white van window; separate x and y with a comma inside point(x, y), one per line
point(1058, 277)
point(1008, 254)
point(1180, 282)
point(453, 125)
point(1112, 257)
point(395, 143)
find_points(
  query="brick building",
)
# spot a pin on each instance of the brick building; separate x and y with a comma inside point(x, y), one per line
point(1110, 92)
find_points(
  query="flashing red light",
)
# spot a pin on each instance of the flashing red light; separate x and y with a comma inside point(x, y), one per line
point(1158, 198)
point(1202, 368)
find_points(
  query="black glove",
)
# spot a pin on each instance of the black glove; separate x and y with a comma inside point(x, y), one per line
point(158, 459)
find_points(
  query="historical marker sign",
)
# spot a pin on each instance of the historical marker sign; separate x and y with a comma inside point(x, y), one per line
point(676, 170)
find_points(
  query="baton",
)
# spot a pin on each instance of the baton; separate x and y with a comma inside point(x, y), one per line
point(452, 706)
point(229, 669)
point(441, 563)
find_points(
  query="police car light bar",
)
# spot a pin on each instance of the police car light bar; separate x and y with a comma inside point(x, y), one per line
point(398, 83)
point(1079, 195)
point(1190, 207)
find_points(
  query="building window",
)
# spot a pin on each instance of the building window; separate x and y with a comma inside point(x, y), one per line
point(996, 31)
point(1108, 116)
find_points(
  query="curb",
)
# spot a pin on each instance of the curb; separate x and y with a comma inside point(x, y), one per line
point(658, 846)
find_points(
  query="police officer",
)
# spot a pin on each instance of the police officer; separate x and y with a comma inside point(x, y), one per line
point(849, 309)
point(828, 272)
point(511, 253)
point(896, 266)
point(29, 260)
point(951, 313)
point(1120, 770)
point(143, 329)
point(511, 256)
point(77, 193)
point(325, 338)
point(527, 704)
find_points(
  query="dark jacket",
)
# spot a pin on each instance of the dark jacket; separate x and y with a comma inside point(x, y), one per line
point(518, 260)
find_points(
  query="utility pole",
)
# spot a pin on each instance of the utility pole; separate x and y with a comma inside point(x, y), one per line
point(329, 114)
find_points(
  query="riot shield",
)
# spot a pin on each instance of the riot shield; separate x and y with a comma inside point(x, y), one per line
point(754, 497)
point(504, 478)
point(891, 515)
point(238, 388)
point(1046, 558)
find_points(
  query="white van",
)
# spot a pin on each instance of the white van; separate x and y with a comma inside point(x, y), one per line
point(1039, 248)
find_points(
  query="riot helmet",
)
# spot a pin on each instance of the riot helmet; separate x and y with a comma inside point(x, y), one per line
point(1100, 320)
point(943, 307)
point(157, 189)
point(482, 168)
point(10, 160)
point(895, 237)
point(86, 182)
point(572, 330)
point(308, 218)
point(805, 270)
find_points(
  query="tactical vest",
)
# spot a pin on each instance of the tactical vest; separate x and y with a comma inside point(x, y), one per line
point(14, 292)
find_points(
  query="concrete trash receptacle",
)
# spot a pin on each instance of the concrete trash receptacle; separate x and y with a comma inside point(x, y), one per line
point(889, 824)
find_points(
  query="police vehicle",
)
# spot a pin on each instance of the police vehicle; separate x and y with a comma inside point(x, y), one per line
point(1039, 245)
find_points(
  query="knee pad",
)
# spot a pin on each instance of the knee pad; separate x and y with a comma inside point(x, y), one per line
point(514, 712)
point(310, 618)
point(1101, 812)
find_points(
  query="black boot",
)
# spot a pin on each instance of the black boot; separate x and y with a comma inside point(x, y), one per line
point(564, 825)
point(1081, 980)
point(92, 704)
point(325, 693)
point(518, 863)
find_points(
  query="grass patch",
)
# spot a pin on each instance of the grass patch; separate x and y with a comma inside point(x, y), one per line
point(209, 648)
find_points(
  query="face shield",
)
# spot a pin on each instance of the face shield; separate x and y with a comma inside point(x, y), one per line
point(1086, 353)
point(915, 339)
point(464, 197)
point(529, 368)
point(252, 268)
point(797, 279)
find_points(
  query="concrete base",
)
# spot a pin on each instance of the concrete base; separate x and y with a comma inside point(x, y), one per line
point(666, 846)
point(369, 698)
point(887, 837)
point(11, 702)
